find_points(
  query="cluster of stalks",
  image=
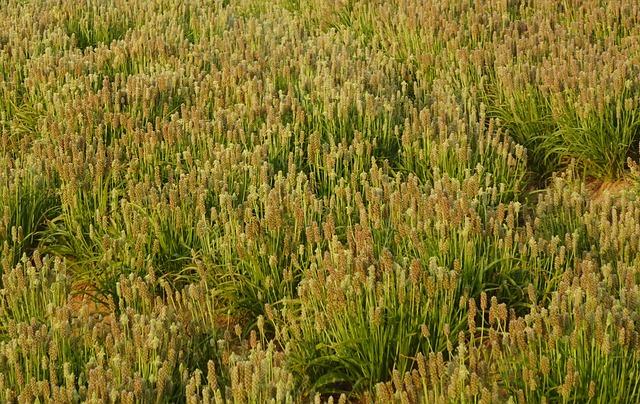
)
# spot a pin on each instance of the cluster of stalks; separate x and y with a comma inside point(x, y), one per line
point(330, 201)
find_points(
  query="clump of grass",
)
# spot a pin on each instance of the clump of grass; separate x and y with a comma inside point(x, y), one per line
point(578, 347)
point(258, 377)
point(444, 141)
point(27, 203)
point(599, 137)
point(90, 24)
point(571, 351)
point(363, 310)
point(348, 330)
point(590, 117)
point(526, 116)
point(56, 346)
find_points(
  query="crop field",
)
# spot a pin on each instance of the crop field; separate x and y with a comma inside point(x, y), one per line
point(319, 201)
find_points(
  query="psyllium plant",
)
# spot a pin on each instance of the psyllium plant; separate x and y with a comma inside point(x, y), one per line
point(468, 374)
point(350, 329)
point(29, 202)
point(575, 349)
point(364, 309)
point(141, 348)
point(570, 351)
point(292, 201)
point(258, 377)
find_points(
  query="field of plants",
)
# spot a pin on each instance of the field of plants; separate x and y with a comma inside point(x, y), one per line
point(329, 201)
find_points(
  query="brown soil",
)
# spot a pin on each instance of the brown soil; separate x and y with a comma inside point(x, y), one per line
point(598, 188)
point(84, 294)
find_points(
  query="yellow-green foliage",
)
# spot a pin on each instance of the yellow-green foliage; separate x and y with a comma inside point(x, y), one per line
point(319, 200)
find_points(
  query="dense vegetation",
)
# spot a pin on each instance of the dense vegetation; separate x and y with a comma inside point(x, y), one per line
point(319, 200)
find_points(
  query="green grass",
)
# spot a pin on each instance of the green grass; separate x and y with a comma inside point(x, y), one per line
point(240, 201)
